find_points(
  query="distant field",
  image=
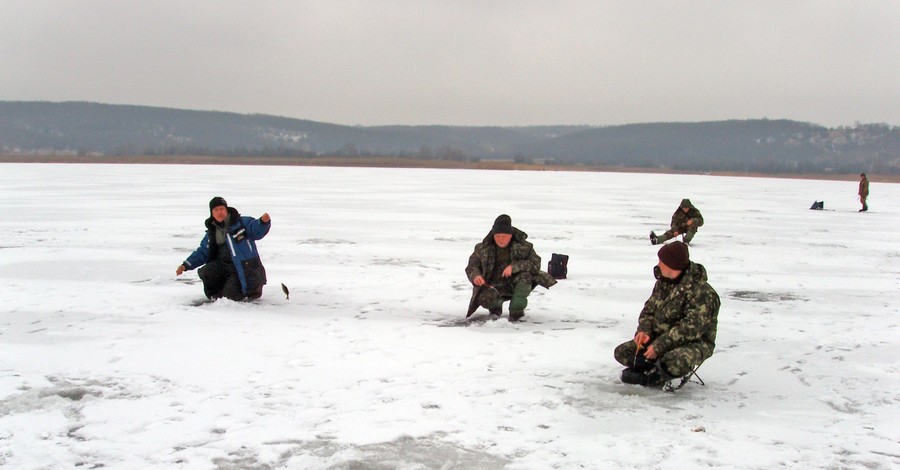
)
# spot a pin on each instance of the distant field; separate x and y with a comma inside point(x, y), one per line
point(388, 162)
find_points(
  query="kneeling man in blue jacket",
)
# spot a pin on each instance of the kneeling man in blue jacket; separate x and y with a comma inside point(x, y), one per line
point(231, 267)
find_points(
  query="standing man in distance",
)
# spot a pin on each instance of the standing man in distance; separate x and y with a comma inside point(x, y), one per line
point(863, 191)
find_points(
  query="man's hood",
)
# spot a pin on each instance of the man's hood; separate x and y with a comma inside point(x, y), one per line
point(694, 273)
point(517, 236)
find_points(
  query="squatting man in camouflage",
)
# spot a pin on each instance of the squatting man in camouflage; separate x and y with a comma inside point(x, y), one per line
point(677, 326)
point(504, 267)
point(230, 262)
point(686, 220)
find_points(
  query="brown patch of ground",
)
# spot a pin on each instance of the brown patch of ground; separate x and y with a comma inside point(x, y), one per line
point(392, 162)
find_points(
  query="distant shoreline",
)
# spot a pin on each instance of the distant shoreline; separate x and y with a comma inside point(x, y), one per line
point(392, 162)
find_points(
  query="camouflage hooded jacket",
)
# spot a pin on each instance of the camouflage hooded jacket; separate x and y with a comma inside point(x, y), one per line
point(680, 218)
point(522, 257)
point(680, 313)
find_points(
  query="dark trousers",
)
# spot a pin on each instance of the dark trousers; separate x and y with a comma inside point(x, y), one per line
point(221, 280)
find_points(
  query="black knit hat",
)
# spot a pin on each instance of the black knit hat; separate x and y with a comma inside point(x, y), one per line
point(675, 255)
point(502, 224)
point(216, 202)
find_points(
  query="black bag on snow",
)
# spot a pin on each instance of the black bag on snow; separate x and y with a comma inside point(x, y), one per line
point(557, 266)
point(817, 206)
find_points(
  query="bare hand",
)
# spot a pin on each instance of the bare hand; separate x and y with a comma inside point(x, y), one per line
point(478, 281)
point(265, 218)
point(508, 271)
point(650, 353)
point(179, 270)
point(641, 338)
point(690, 222)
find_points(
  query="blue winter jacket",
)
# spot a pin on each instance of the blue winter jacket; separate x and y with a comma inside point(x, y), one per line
point(241, 240)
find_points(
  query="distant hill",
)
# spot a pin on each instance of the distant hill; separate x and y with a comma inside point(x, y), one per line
point(80, 128)
point(753, 145)
point(128, 130)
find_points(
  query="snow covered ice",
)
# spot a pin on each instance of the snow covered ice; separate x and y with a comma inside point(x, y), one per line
point(105, 360)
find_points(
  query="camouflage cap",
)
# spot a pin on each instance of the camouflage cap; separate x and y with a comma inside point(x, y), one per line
point(686, 203)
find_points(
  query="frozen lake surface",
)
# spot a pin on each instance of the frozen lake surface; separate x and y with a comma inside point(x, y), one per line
point(105, 361)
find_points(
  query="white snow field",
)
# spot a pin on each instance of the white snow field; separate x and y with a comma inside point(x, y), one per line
point(107, 359)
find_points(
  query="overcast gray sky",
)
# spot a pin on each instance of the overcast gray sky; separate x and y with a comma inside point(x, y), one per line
point(463, 62)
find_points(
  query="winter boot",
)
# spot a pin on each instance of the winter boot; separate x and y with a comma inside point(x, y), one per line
point(655, 377)
point(516, 315)
point(660, 239)
point(495, 313)
point(653, 238)
point(631, 376)
point(642, 364)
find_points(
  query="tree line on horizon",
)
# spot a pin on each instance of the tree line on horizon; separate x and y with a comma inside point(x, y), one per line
point(761, 145)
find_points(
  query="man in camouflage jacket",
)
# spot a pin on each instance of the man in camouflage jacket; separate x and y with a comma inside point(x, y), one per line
point(504, 267)
point(677, 326)
point(686, 220)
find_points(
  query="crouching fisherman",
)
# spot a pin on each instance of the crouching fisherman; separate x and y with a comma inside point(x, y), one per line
point(231, 267)
point(677, 326)
point(685, 221)
point(504, 267)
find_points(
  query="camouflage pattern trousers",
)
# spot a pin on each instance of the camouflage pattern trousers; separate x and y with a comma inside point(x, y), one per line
point(515, 289)
point(688, 235)
point(677, 362)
